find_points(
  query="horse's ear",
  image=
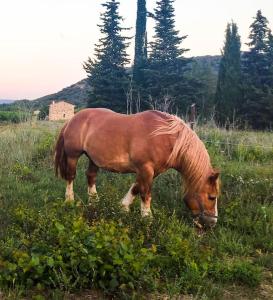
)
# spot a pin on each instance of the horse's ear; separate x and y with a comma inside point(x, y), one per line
point(214, 176)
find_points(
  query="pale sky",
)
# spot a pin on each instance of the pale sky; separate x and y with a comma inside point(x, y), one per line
point(43, 43)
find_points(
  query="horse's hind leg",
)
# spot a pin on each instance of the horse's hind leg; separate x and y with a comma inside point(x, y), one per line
point(91, 175)
point(70, 176)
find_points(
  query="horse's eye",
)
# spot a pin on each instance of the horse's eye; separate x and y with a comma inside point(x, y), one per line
point(212, 198)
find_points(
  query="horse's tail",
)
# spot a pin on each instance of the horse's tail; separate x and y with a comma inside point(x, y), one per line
point(60, 159)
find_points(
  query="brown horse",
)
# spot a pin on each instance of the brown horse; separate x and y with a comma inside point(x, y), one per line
point(148, 144)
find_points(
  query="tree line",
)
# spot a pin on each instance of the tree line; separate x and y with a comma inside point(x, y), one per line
point(245, 81)
point(162, 78)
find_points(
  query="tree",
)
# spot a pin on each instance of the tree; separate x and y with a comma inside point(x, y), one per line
point(140, 59)
point(228, 94)
point(257, 106)
point(269, 58)
point(205, 70)
point(107, 75)
point(167, 83)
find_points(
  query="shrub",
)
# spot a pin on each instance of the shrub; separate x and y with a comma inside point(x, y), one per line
point(12, 116)
point(67, 253)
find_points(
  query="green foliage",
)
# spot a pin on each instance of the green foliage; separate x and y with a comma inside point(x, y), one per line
point(12, 117)
point(107, 75)
point(21, 171)
point(44, 112)
point(269, 57)
point(167, 85)
point(63, 251)
point(205, 71)
point(46, 245)
point(229, 90)
point(44, 147)
point(258, 88)
point(237, 271)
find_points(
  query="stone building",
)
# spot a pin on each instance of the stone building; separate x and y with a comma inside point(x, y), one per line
point(60, 111)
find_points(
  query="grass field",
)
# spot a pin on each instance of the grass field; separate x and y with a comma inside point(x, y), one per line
point(49, 250)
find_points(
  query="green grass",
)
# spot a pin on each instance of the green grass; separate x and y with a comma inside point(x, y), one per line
point(49, 249)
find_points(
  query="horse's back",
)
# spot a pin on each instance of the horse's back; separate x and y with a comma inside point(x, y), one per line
point(102, 118)
point(116, 141)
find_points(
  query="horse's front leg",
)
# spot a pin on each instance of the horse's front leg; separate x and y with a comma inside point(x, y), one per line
point(145, 180)
point(143, 186)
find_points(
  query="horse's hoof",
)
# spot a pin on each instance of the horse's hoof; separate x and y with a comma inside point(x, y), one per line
point(146, 214)
point(125, 208)
point(69, 201)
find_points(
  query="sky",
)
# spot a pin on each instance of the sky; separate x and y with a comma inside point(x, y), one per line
point(43, 43)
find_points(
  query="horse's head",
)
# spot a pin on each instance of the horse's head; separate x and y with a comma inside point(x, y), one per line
point(203, 203)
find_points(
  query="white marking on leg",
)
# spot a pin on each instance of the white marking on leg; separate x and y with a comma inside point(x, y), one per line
point(145, 210)
point(128, 199)
point(92, 191)
point(69, 194)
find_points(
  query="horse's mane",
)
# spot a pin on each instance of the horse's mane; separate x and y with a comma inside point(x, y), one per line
point(189, 152)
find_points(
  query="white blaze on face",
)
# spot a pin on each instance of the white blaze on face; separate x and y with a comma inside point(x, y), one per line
point(216, 208)
point(128, 199)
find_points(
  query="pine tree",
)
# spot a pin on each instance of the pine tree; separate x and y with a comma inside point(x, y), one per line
point(256, 59)
point(167, 65)
point(257, 107)
point(229, 90)
point(107, 74)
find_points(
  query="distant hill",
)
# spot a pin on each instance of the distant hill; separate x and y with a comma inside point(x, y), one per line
point(211, 61)
point(75, 94)
point(4, 101)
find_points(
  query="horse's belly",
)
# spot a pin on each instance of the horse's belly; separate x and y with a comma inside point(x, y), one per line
point(119, 164)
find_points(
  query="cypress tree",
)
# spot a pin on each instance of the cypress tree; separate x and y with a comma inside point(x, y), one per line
point(106, 73)
point(257, 92)
point(229, 91)
point(167, 65)
point(140, 59)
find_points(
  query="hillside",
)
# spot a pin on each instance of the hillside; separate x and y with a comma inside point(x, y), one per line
point(75, 94)
point(208, 61)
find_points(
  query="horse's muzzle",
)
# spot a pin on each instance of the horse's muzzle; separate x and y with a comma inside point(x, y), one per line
point(208, 221)
point(205, 221)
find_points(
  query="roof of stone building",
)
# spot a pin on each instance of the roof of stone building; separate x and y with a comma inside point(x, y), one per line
point(59, 102)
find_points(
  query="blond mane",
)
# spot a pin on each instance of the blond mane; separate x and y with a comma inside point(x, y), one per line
point(188, 152)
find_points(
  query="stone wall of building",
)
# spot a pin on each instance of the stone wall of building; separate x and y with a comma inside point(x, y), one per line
point(60, 111)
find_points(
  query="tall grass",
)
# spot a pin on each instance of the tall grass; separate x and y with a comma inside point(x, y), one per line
point(45, 244)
